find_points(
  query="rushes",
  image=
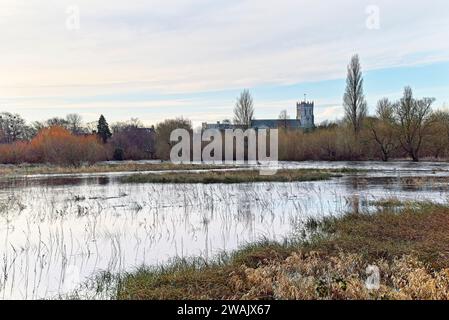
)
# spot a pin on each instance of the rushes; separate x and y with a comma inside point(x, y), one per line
point(409, 248)
point(54, 236)
point(88, 228)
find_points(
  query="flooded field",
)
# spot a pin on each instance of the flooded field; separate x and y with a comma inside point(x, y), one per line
point(57, 231)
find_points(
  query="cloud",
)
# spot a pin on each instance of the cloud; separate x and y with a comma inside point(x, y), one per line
point(329, 113)
point(188, 46)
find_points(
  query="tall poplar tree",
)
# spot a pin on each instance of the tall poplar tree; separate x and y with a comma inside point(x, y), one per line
point(354, 100)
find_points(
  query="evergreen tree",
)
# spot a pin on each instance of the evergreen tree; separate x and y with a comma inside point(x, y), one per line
point(103, 130)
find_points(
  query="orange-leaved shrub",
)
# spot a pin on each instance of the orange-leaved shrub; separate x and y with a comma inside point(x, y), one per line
point(55, 145)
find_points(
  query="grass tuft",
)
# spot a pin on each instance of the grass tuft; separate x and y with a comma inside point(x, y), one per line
point(410, 247)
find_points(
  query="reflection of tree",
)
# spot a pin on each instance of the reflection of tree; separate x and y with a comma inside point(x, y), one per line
point(205, 223)
point(354, 204)
point(356, 183)
point(244, 212)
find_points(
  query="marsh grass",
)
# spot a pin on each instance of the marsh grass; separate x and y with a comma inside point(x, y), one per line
point(410, 247)
point(421, 229)
point(32, 169)
point(240, 176)
point(196, 278)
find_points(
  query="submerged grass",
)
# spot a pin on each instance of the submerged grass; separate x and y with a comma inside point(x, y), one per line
point(240, 176)
point(31, 169)
point(410, 247)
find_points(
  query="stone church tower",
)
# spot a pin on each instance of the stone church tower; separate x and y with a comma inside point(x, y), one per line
point(304, 113)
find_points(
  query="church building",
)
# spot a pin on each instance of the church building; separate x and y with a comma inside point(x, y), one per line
point(305, 120)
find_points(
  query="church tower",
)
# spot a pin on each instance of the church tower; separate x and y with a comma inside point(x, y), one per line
point(304, 113)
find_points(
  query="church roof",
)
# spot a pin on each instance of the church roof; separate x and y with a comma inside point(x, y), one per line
point(273, 124)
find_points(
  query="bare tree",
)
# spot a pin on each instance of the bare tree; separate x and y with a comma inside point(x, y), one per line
point(354, 100)
point(283, 117)
point(244, 109)
point(124, 125)
point(13, 128)
point(57, 122)
point(91, 127)
point(132, 141)
point(383, 128)
point(442, 117)
point(438, 142)
point(163, 132)
point(74, 123)
point(414, 118)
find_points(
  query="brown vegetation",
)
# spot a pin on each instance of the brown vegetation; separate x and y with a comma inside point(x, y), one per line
point(163, 132)
point(410, 247)
point(133, 143)
point(55, 145)
point(329, 144)
point(378, 140)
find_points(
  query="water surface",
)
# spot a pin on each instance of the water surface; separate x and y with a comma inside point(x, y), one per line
point(57, 231)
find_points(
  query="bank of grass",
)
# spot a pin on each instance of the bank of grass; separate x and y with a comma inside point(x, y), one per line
point(33, 169)
point(237, 176)
point(410, 247)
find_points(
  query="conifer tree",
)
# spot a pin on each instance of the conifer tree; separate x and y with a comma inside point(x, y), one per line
point(103, 130)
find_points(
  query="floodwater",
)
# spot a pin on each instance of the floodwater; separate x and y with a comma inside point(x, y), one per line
point(58, 231)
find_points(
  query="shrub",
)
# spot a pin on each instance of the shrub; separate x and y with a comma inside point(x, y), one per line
point(55, 145)
point(137, 143)
point(119, 154)
point(163, 131)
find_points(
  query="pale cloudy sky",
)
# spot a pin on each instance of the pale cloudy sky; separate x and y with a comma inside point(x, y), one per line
point(158, 59)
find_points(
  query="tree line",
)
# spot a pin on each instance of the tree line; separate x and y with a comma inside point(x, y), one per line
point(68, 141)
point(404, 128)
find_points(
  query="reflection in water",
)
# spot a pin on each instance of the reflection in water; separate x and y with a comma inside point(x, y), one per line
point(354, 204)
point(25, 182)
point(55, 230)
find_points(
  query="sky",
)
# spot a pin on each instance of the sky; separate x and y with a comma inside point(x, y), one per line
point(161, 59)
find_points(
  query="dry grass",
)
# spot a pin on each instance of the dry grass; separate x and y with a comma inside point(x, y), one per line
point(313, 275)
point(410, 248)
point(418, 229)
point(196, 279)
